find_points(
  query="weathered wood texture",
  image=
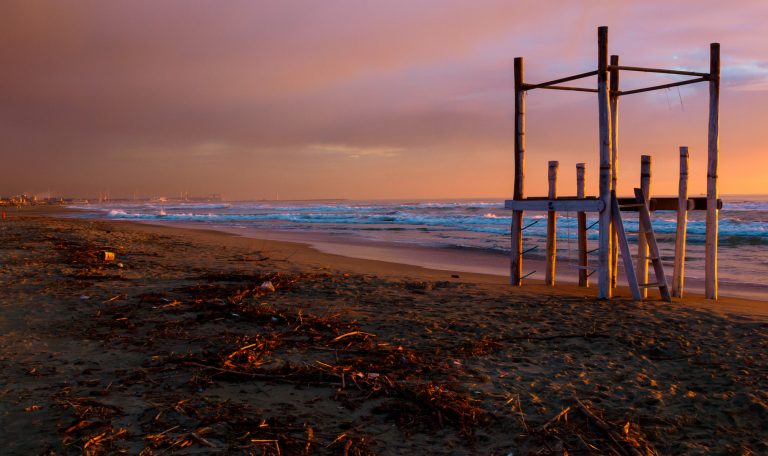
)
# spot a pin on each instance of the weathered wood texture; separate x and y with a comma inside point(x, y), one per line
point(516, 236)
point(653, 248)
point(678, 273)
point(581, 221)
point(558, 81)
point(604, 267)
point(549, 272)
point(642, 240)
point(614, 102)
point(668, 203)
point(664, 86)
point(568, 88)
point(625, 255)
point(713, 156)
point(564, 205)
point(657, 70)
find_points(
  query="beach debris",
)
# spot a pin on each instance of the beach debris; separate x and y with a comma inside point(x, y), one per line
point(115, 298)
point(420, 384)
point(267, 286)
point(106, 256)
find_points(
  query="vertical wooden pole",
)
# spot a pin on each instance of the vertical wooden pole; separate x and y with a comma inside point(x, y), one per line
point(549, 274)
point(581, 220)
point(613, 96)
point(713, 154)
point(516, 261)
point(604, 268)
point(642, 241)
point(678, 275)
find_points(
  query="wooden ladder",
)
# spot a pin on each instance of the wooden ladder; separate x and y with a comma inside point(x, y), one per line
point(645, 228)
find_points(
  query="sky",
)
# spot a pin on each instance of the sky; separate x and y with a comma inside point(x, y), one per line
point(363, 100)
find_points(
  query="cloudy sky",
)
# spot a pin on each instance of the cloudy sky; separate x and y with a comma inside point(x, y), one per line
point(353, 99)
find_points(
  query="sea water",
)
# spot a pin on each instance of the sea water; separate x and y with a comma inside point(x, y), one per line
point(471, 225)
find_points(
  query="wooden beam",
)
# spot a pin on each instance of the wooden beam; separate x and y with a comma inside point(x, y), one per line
point(581, 221)
point(604, 267)
point(546, 198)
point(516, 236)
point(678, 273)
point(574, 89)
point(625, 255)
point(666, 203)
point(572, 205)
point(549, 272)
point(700, 203)
point(558, 81)
point(663, 86)
point(614, 102)
point(713, 156)
point(642, 240)
point(653, 248)
point(657, 70)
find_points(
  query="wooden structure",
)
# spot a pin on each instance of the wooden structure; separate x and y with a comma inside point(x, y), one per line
point(608, 94)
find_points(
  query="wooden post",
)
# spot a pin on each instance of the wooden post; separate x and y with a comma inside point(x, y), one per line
point(613, 96)
point(713, 154)
point(516, 261)
point(642, 241)
point(581, 218)
point(549, 274)
point(604, 267)
point(626, 257)
point(678, 274)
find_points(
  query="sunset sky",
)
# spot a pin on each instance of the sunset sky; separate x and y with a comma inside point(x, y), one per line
point(362, 99)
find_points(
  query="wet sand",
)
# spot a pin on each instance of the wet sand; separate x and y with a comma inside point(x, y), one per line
point(176, 348)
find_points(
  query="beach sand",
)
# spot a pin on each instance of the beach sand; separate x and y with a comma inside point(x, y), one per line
point(175, 348)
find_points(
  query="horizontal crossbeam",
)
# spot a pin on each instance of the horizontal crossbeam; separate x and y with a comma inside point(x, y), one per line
point(666, 203)
point(663, 86)
point(657, 70)
point(586, 205)
point(558, 81)
point(575, 89)
point(592, 204)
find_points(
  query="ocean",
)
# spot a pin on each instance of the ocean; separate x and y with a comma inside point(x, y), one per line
point(468, 226)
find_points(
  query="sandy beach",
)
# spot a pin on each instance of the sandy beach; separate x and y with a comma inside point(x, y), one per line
point(201, 342)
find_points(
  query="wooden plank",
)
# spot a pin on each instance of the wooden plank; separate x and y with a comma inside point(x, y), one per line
point(543, 85)
point(713, 156)
point(668, 203)
point(700, 203)
point(559, 198)
point(516, 235)
point(581, 221)
point(642, 239)
point(586, 205)
point(657, 70)
point(573, 89)
point(604, 267)
point(678, 273)
point(614, 102)
point(549, 272)
point(664, 86)
point(653, 248)
point(624, 245)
